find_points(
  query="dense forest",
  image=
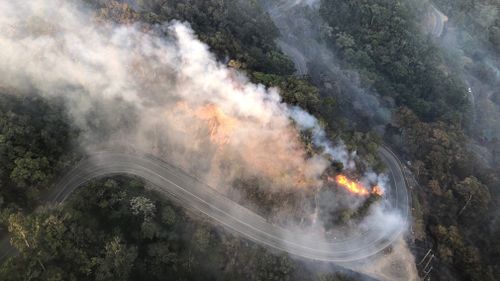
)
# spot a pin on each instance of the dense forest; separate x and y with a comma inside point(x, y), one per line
point(36, 145)
point(382, 40)
point(478, 18)
point(114, 229)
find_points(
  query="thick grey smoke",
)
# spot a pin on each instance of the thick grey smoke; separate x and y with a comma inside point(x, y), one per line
point(178, 99)
point(301, 30)
point(159, 90)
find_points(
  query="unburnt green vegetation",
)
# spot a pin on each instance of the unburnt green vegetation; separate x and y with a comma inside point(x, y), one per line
point(113, 229)
point(384, 42)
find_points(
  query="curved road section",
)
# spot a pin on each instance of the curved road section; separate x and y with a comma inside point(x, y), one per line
point(191, 193)
point(297, 57)
point(437, 21)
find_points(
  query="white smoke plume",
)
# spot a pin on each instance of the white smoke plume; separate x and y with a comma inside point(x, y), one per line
point(160, 90)
point(162, 94)
point(308, 122)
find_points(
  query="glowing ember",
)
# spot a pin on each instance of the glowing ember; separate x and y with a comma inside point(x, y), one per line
point(219, 123)
point(285, 163)
point(378, 190)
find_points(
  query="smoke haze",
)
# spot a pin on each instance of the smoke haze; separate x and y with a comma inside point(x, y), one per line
point(159, 90)
point(302, 29)
point(169, 95)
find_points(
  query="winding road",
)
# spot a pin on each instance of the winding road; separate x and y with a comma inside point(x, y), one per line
point(297, 57)
point(437, 20)
point(186, 190)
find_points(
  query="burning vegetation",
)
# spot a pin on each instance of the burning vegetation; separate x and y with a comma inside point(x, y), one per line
point(219, 124)
point(221, 128)
point(355, 187)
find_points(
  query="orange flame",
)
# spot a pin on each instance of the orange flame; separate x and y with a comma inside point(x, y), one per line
point(219, 123)
point(351, 186)
point(221, 128)
point(356, 187)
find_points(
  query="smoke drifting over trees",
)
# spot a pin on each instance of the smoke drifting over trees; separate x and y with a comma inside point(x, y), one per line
point(302, 30)
point(133, 78)
point(140, 89)
point(128, 85)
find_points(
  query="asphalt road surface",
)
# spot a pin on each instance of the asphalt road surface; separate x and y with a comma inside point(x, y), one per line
point(438, 21)
point(298, 59)
point(191, 193)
